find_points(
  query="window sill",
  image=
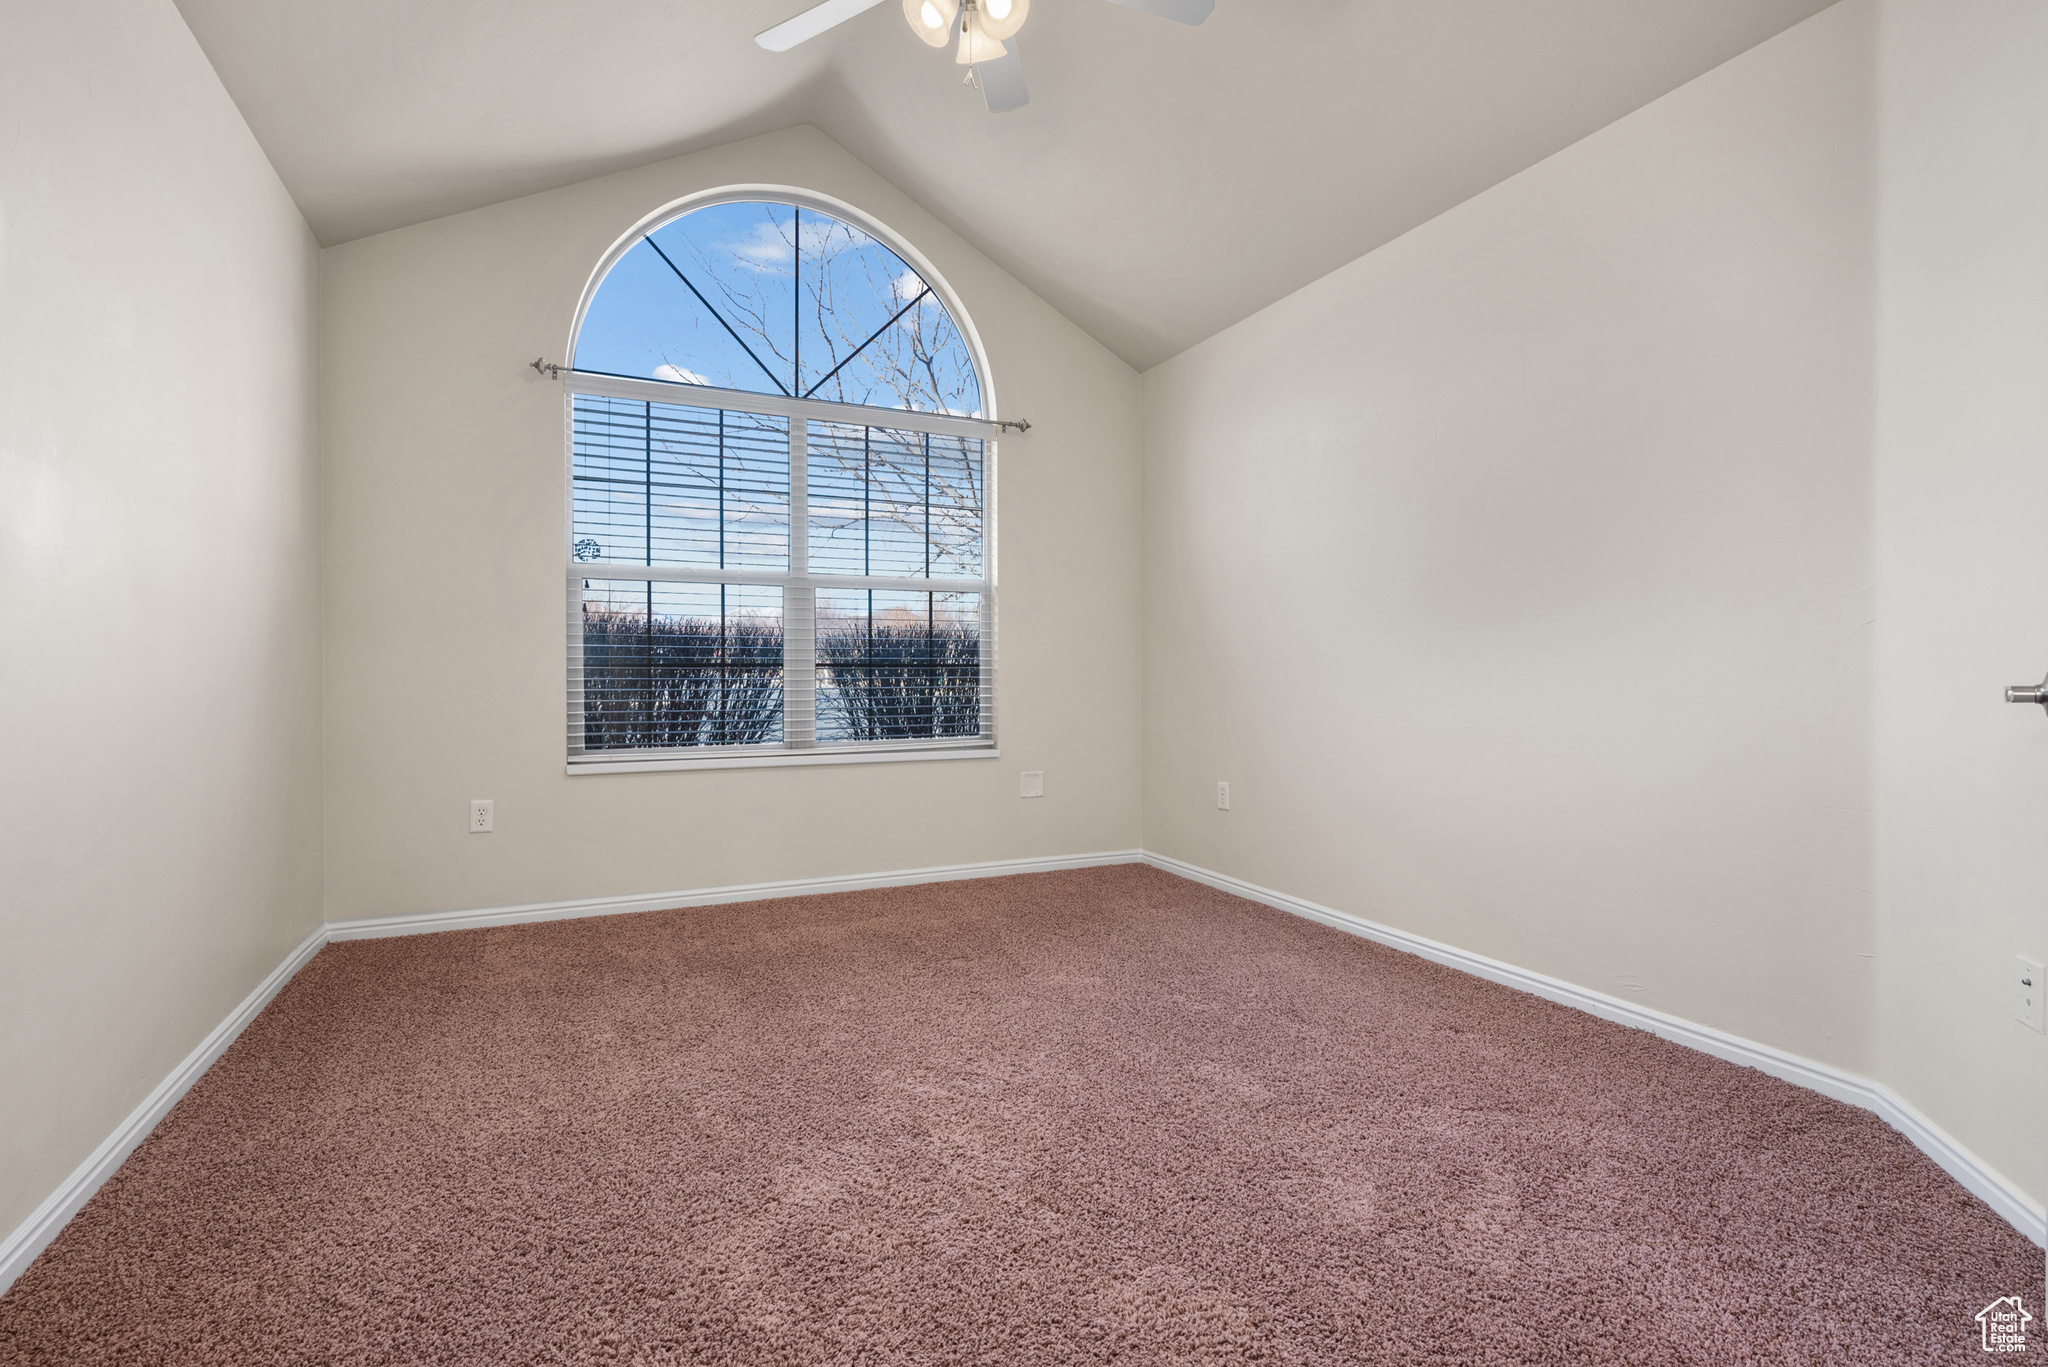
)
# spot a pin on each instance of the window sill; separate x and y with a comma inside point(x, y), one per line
point(780, 759)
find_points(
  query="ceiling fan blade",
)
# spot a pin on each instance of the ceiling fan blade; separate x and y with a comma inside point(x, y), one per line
point(811, 23)
point(1181, 11)
point(1002, 81)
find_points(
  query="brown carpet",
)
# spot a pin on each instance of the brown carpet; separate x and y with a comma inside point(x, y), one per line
point(1100, 1116)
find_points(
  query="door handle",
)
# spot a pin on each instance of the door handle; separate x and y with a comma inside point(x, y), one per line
point(2029, 693)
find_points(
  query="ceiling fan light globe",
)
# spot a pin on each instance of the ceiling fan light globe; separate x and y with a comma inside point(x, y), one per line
point(931, 20)
point(1001, 18)
point(975, 45)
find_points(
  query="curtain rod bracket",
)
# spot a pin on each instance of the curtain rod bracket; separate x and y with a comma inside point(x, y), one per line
point(549, 368)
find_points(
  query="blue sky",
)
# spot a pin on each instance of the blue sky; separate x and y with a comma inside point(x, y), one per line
point(804, 292)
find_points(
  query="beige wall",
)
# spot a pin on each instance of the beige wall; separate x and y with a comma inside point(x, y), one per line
point(159, 689)
point(1616, 575)
point(1516, 575)
point(1962, 566)
point(444, 505)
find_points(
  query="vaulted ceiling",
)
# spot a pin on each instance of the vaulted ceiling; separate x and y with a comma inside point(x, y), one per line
point(1163, 182)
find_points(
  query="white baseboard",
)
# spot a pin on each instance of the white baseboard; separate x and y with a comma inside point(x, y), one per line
point(34, 1234)
point(376, 927)
point(1980, 1179)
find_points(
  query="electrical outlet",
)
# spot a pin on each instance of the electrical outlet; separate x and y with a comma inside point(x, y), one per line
point(1031, 783)
point(2026, 993)
point(480, 815)
point(1222, 797)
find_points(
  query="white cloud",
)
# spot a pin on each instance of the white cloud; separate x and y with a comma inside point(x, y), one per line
point(675, 374)
point(906, 287)
point(767, 247)
point(764, 249)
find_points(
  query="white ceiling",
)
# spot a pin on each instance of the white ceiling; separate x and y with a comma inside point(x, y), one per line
point(1163, 183)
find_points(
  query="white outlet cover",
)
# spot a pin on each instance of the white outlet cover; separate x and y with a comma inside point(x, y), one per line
point(1031, 783)
point(481, 815)
point(2026, 993)
point(1222, 797)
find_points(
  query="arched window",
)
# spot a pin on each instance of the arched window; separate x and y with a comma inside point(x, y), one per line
point(778, 548)
point(778, 299)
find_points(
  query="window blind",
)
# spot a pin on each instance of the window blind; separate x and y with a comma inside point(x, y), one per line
point(756, 583)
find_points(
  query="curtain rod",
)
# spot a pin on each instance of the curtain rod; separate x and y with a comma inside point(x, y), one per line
point(555, 372)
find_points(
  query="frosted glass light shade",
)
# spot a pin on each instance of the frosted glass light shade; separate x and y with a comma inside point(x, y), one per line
point(931, 20)
point(1001, 18)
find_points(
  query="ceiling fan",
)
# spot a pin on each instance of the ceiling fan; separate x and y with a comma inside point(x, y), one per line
point(983, 25)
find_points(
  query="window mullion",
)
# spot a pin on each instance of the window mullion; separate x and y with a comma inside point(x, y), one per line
point(711, 574)
point(799, 603)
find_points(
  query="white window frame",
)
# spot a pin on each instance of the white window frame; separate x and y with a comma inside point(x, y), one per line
point(799, 412)
point(799, 585)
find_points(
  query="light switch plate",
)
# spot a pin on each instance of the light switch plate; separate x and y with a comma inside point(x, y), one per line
point(1031, 783)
